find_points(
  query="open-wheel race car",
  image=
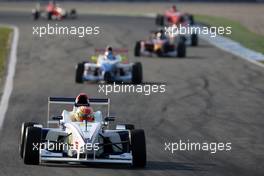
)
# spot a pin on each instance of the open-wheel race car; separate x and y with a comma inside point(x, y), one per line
point(52, 11)
point(161, 45)
point(173, 18)
point(111, 66)
point(86, 140)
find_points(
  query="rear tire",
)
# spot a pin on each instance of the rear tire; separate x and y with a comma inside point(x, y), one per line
point(79, 73)
point(36, 15)
point(137, 73)
point(160, 20)
point(31, 154)
point(49, 16)
point(138, 147)
point(24, 126)
point(191, 19)
point(137, 49)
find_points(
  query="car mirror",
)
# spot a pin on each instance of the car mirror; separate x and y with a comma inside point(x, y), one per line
point(110, 119)
point(57, 118)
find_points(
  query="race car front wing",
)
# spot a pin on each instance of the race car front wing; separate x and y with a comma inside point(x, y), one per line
point(46, 156)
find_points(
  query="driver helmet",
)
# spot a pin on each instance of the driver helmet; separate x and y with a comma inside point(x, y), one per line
point(109, 53)
point(82, 100)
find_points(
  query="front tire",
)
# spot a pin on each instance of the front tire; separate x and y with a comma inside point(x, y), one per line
point(108, 77)
point(181, 49)
point(138, 147)
point(79, 73)
point(32, 138)
point(137, 49)
point(137, 73)
point(24, 126)
point(191, 19)
point(73, 13)
point(194, 39)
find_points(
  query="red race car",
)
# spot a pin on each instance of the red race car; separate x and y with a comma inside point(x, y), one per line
point(173, 16)
point(52, 11)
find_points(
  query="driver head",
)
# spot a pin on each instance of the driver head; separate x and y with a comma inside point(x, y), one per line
point(174, 8)
point(108, 50)
point(82, 100)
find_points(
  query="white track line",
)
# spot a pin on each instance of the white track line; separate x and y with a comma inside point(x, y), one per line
point(8, 87)
point(235, 48)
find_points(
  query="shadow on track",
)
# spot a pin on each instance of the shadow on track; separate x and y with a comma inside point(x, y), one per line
point(151, 166)
point(163, 165)
point(174, 58)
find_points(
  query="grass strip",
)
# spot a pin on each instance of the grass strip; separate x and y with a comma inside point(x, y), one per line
point(240, 33)
point(4, 47)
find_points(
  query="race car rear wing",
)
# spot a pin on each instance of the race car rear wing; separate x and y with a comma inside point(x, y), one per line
point(122, 52)
point(115, 50)
point(71, 101)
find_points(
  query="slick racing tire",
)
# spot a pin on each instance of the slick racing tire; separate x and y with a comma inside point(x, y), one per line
point(24, 126)
point(36, 15)
point(137, 73)
point(138, 147)
point(32, 138)
point(108, 77)
point(73, 13)
point(191, 19)
point(79, 73)
point(49, 16)
point(181, 49)
point(160, 20)
point(137, 49)
point(194, 39)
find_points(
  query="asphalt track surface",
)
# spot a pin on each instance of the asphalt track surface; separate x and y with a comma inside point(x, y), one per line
point(211, 96)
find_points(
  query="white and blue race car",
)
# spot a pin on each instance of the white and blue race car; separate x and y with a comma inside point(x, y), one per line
point(109, 70)
point(82, 141)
